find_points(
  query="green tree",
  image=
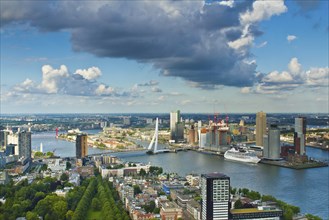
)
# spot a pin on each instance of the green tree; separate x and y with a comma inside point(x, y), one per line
point(69, 215)
point(142, 172)
point(68, 165)
point(60, 209)
point(64, 177)
point(50, 154)
point(137, 190)
point(95, 204)
point(155, 170)
point(31, 216)
point(53, 206)
point(44, 167)
point(288, 214)
point(156, 210)
point(38, 154)
point(245, 191)
point(238, 204)
point(253, 195)
point(149, 207)
point(312, 217)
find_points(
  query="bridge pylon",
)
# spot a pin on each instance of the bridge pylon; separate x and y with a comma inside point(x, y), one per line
point(155, 138)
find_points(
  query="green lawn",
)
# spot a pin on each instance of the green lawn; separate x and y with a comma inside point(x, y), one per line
point(93, 215)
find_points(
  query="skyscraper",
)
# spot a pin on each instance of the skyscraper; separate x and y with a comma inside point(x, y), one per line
point(174, 118)
point(215, 192)
point(24, 144)
point(81, 146)
point(3, 138)
point(272, 143)
point(176, 126)
point(299, 135)
point(191, 135)
point(260, 127)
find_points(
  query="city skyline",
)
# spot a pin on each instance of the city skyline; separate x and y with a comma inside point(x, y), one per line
point(122, 57)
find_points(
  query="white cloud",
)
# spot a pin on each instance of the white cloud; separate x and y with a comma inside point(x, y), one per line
point(228, 3)
point(294, 66)
point(263, 44)
point(245, 90)
point(82, 83)
point(241, 42)
point(185, 102)
point(90, 73)
point(264, 88)
point(291, 38)
point(317, 77)
point(104, 90)
point(276, 77)
point(262, 10)
point(277, 82)
point(156, 89)
point(52, 77)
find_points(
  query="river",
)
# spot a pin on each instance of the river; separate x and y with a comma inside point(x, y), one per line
point(307, 189)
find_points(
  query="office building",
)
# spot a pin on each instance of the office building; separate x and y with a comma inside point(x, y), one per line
point(215, 193)
point(191, 135)
point(4, 138)
point(24, 144)
point(260, 127)
point(176, 126)
point(217, 138)
point(174, 118)
point(81, 146)
point(299, 135)
point(272, 143)
point(10, 149)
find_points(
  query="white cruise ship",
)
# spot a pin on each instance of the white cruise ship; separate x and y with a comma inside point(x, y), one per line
point(243, 155)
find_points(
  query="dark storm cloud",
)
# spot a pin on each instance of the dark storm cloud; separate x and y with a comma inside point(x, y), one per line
point(186, 39)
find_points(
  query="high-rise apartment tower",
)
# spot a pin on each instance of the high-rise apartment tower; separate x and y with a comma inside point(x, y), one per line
point(215, 192)
point(260, 127)
point(299, 135)
point(81, 145)
point(272, 143)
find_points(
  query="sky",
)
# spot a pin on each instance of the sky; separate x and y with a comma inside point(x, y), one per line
point(224, 56)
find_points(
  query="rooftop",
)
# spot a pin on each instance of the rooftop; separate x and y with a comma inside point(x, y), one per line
point(214, 175)
point(252, 210)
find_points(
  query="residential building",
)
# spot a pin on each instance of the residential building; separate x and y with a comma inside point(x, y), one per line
point(300, 135)
point(215, 194)
point(24, 144)
point(81, 145)
point(260, 127)
point(4, 178)
point(170, 211)
point(194, 208)
point(176, 126)
point(56, 165)
point(272, 143)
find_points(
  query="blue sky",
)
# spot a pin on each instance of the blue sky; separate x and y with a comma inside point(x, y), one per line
point(158, 56)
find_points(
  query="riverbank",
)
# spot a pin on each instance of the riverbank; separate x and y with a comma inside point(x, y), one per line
point(317, 146)
point(296, 166)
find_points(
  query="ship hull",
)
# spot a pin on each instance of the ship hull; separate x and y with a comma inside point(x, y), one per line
point(242, 159)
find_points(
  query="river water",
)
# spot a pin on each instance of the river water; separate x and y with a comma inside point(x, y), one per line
point(307, 189)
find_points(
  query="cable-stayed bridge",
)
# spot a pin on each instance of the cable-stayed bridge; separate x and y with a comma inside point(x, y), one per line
point(154, 149)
